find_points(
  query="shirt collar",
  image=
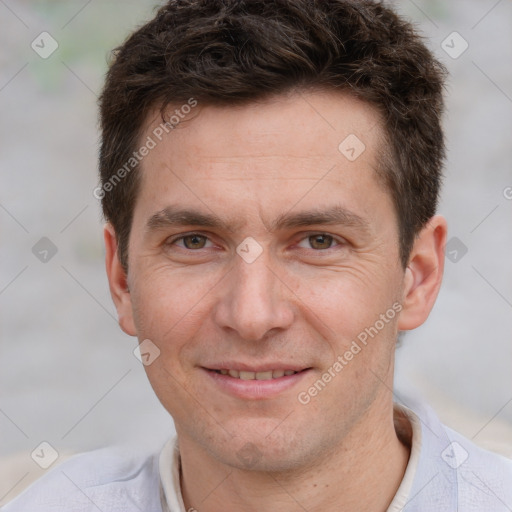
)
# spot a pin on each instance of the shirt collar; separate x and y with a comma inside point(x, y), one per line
point(408, 426)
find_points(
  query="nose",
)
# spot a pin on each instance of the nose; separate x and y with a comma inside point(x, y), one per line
point(254, 300)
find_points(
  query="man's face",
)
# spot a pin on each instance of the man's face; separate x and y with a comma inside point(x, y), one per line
point(199, 295)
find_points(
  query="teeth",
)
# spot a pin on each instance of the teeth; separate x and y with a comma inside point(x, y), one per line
point(267, 375)
point(264, 375)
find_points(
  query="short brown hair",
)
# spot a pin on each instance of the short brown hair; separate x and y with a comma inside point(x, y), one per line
point(223, 52)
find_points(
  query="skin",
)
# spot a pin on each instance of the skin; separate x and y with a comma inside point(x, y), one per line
point(301, 302)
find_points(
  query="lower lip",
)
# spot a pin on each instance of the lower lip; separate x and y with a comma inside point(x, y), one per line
point(255, 389)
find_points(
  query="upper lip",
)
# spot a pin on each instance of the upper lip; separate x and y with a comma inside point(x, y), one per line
point(261, 367)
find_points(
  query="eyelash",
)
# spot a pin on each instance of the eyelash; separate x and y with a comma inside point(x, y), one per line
point(339, 241)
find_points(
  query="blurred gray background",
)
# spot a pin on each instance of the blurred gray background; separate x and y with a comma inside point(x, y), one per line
point(68, 375)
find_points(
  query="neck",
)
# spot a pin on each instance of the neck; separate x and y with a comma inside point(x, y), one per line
point(362, 473)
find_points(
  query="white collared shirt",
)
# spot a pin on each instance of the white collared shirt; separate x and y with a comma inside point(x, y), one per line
point(169, 463)
point(445, 473)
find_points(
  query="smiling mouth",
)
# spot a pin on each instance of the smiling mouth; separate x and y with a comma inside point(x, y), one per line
point(265, 375)
point(245, 383)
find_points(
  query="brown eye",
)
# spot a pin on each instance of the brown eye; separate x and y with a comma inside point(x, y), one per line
point(194, 241)
point(320, 241)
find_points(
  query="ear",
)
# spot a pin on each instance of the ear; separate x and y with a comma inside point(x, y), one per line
point(118, 282)
point(423, 274)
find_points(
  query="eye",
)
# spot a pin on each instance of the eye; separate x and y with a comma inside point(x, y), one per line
point(191, 241)
point(319, 241)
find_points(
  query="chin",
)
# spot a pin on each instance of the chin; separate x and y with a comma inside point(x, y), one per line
point(256, 450)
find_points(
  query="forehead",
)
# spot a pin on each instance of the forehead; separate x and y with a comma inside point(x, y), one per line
point(302, 120)
point(264, 152)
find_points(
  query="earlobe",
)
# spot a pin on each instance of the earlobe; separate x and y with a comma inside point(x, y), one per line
point(423, 275)
point(118, 282)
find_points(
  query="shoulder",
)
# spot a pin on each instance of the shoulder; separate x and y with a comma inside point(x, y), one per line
point(456, 474)
point(483, 477)
point(109, 479)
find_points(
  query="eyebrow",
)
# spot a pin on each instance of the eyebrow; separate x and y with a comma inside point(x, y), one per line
point(335, 215)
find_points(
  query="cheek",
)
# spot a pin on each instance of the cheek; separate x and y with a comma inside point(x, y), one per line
point(346, 301)
point(169, 306)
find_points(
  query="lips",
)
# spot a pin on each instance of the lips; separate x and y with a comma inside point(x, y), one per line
point(259, 382)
